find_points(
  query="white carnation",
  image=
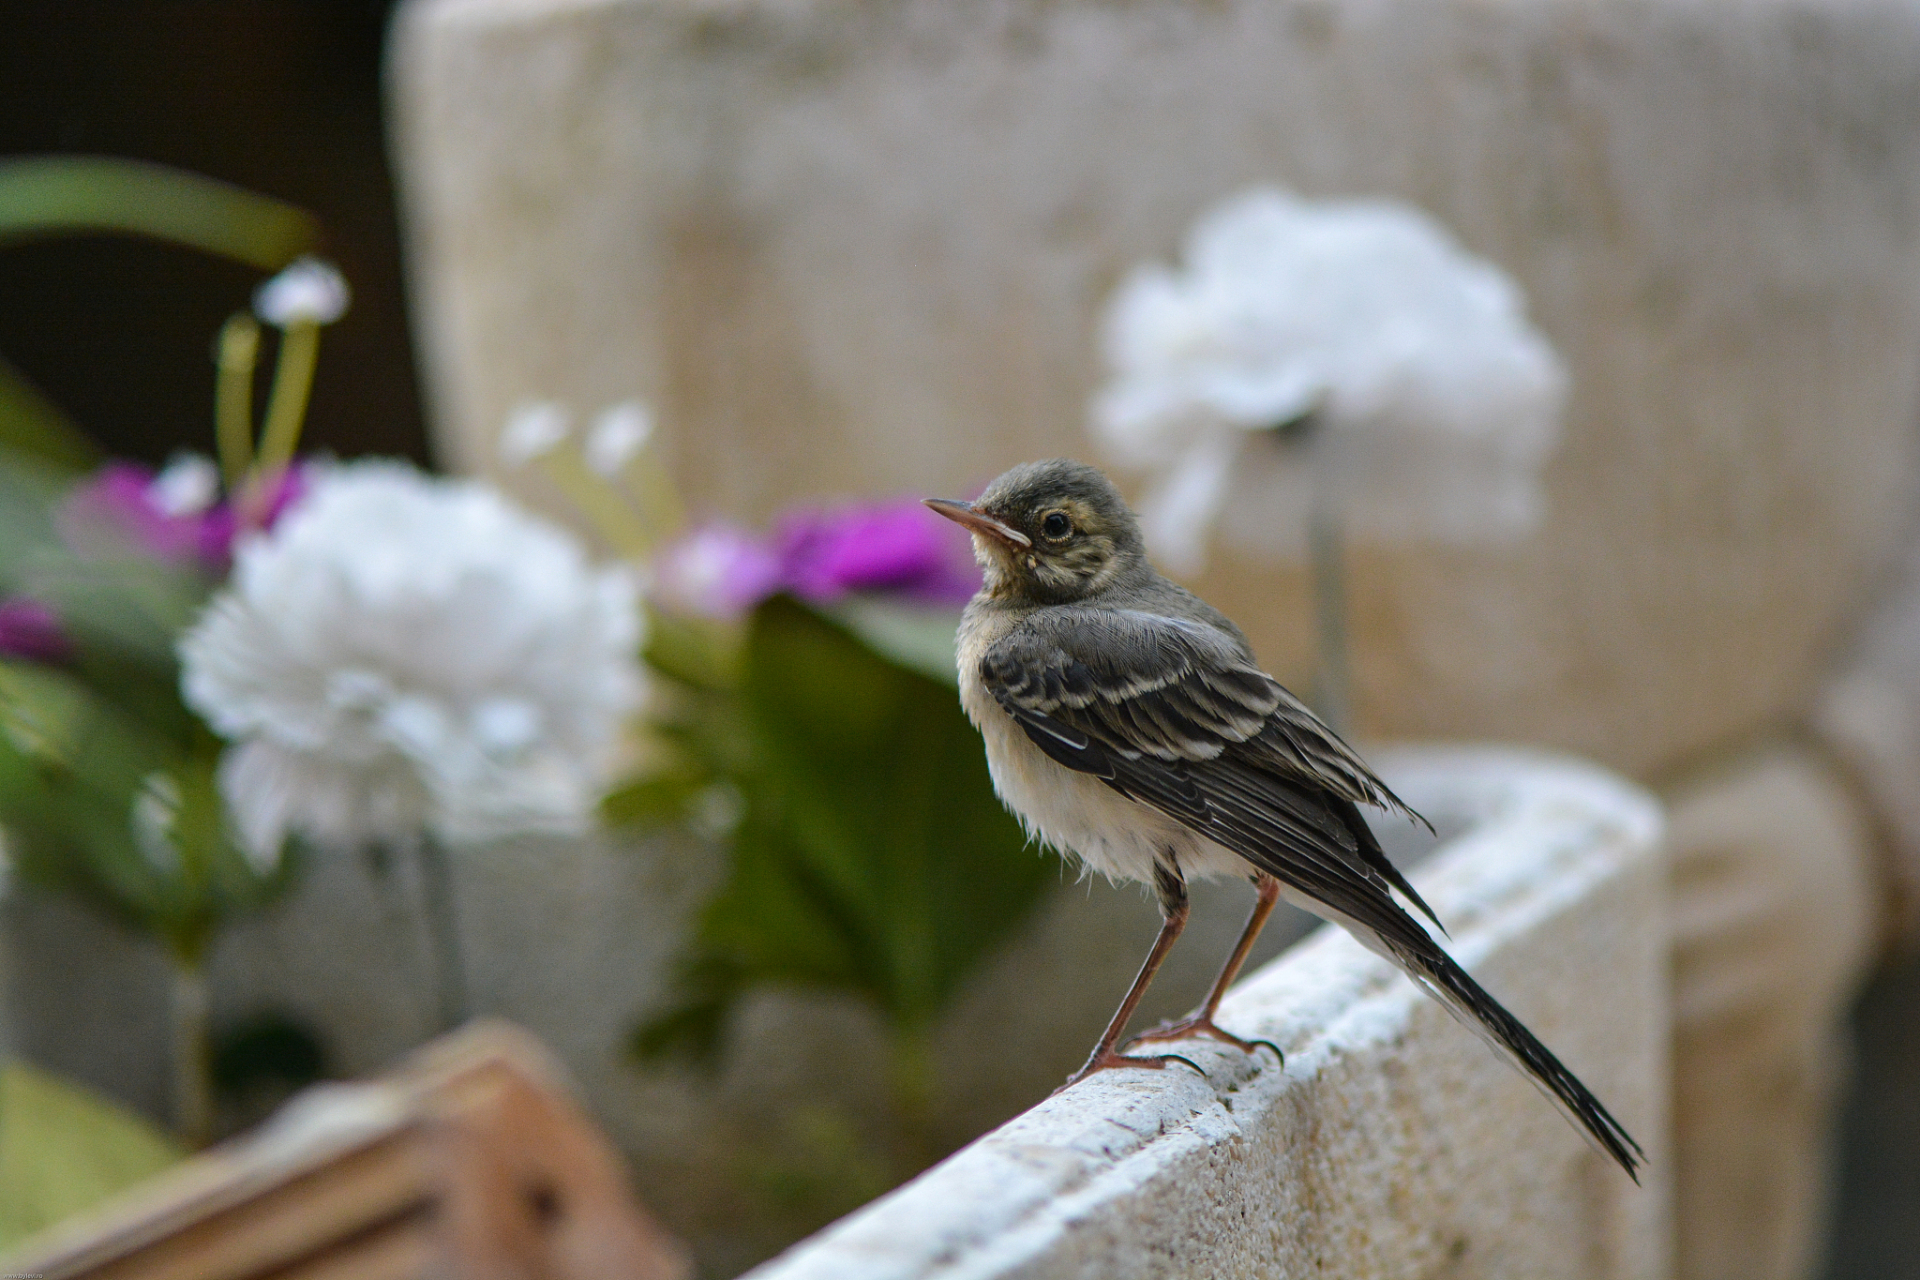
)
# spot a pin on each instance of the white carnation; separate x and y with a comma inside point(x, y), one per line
point(1433, 401)
point(403, 653)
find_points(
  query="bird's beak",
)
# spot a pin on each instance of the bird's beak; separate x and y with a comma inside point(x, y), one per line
point(962, 513)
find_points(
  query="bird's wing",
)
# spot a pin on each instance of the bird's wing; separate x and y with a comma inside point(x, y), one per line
point(1144, 689)
point(1166, 715)
point(1174, 689)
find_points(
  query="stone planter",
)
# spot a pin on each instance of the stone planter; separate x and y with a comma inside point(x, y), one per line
point(1392, 1143)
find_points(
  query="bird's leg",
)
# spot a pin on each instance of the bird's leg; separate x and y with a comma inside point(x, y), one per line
point(1172, 890)
point(1200, 1022)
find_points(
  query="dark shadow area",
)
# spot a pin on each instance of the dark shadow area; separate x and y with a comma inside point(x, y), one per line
point(280, 96)
point(1876, 1225)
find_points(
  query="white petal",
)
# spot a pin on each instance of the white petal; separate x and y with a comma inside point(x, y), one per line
point(188, 485)
point(272, 794)
point(1438, 402)
point(402, 650)
point(310, 291)
point(503, 726)
point(1178, 516)
point(619, 433)
point(534, 428)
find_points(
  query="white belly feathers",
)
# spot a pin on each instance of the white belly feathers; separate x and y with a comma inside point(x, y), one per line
point(1080, 815)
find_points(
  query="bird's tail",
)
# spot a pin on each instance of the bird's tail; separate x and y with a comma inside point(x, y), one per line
point(1485, 1016)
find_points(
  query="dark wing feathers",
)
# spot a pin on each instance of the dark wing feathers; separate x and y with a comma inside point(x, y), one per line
point(1144, 685)
point(1150, 690)
point(1172, 689)
point(1175, 715)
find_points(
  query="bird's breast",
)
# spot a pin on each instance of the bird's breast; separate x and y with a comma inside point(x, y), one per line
point(1076, 813)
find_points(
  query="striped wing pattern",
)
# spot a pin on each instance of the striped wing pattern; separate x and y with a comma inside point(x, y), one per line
point(1174, 714)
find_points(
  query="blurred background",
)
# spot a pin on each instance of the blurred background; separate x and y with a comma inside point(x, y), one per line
point(754, 223)
point(278, 98)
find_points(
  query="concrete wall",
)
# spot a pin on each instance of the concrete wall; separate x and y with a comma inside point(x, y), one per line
point(1393, 1143)
point(861, 247)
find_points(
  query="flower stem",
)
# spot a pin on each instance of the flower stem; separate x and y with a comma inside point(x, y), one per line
point(1333, 680)
point(655, 495)
point(237, 353)
point(286, 404)
point(605, 509)
point(192, 1054)
point(911, 1078)
point(443, 931)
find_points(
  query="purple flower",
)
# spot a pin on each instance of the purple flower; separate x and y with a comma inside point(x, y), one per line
point(118, 509)
point(30, 630)
point(220, 526)
point(173, 516)
point(895, 547)
point(717, 571)
point(723, 571)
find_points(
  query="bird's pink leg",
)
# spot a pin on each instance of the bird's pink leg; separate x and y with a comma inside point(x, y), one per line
point(1200, 1022)
point(1173, 899)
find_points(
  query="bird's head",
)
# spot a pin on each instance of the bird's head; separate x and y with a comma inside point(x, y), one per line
point(1051, 532)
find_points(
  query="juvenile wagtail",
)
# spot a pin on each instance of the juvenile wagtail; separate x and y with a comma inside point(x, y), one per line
point(1127, 724)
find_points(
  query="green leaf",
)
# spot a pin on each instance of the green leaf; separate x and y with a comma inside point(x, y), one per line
point(697, 652)
point(656, 799)
point(873, 856)
point(133, 608)
point(68, 195)
point(64, 1149)
point(30, 488)
point(918, 637)
point(98, 804)
point(33, 425)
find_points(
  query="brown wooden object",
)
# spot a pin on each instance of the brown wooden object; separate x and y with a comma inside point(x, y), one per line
point(471, 1162)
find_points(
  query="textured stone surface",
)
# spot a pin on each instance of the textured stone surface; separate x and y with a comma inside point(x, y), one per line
point(1393, 1143)
point(860, 246)
point(574, 941)
point(1868, 715)
point(1775, 922)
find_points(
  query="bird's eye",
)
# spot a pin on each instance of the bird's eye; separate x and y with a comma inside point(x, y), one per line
point(1056, 525)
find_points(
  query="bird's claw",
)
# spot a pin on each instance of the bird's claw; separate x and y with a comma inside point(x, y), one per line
point(1198, 1026)
point(1109, 1060)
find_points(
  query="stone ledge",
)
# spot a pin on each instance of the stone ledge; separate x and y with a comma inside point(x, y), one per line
point(1393, 1143)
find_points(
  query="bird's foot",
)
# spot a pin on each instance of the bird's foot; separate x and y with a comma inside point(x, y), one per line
point(1108, 1060)
point(1197, 1025)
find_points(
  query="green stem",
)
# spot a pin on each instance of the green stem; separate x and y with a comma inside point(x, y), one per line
point(657, 496)
point(617, 523)
point(911, 1077)
point(192, 1054)
point(238, 351)
point(443, 931)
point(286, 409)
point(1333, 681)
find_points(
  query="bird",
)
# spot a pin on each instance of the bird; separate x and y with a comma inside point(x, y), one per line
point(1128, 724)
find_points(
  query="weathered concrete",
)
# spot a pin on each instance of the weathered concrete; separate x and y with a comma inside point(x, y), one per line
point(1775, 911)
point(574, 940)
point(1392, 1144)
point(861, 246)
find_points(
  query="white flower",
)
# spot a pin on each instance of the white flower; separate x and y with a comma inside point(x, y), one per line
point(188, 485)
point(402, 652)
point(534, 428)
point(308, 292)
point(1427, 402)
point(620, 432)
